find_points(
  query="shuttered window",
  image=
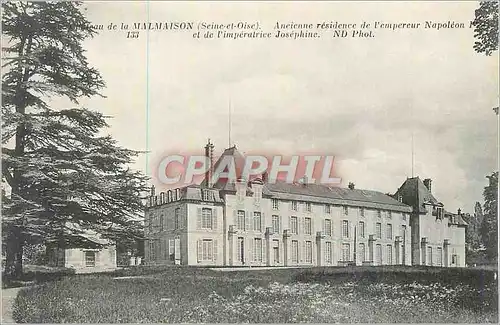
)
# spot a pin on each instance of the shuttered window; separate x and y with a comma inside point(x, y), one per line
point(328, 252)
point(295, 251)
point(257, 250)
point(308, 252)
point(294, 227)
point(327, 229)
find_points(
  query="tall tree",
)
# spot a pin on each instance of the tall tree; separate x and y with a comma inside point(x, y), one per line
point(59, 167)
point(489, 230)
point(486, 27)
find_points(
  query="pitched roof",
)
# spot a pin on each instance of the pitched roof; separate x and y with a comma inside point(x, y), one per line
point(335, 195)
point(415, 194)
point(239, 161)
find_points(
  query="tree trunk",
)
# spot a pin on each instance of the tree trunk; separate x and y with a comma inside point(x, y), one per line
point(14, 256)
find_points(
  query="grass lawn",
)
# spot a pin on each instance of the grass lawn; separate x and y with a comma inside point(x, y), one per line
point(180, 295)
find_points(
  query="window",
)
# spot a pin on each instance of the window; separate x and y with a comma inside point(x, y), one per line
point(275, 203)
point(206, 195)
point(294, 225)
point(389, 214)
point(378, 255)
point(439, 257)
point(171, 248)
point(207, 250)
point(89, 258)
point(346, 252)
point(257, 250)
point(176, 218)
point(308, 206)
point(276, 251)
point(276, 224)
point(379, 214)
point(241, 250)
point(307, 226)
point(308, 252)
point(257, 225)
point(454, 259)
point(403, 233)
point(362, 212)
point(162, 219)
point(361, 229)
point(152, 250)
point(327, 209)
point(346, 210)
point(295, 251)
point(389, 231)
point(328, 252)
point(328, 227)
point(404, 216)
point(378, 230)
point(206, 219)
point(241, 220)
point(294, 206)
point(439, 213)
point(361, 255)
point(345, 228)
point(429, 255)
point(389, 254)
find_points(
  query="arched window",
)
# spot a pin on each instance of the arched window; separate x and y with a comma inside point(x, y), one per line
point(169, 196)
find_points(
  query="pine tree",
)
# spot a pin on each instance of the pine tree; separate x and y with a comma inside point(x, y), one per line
point(489, 230)
point(486, 27)
point(58, 166)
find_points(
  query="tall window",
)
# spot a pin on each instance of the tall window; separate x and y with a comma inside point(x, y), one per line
point(328, 252)
point(257, 194)
point(295, 251)
point(378, 254)
point(309, 252)
point(241, 220)
point(327, 209)
point(361, 254)
point(389, 231)
point(362, 212)
point(162, 220)
point(276, 224)
point(328, 227)
point(294, 227)
point(361, 230)
point(346, 210)
point(206, 219)
point(378, 230)
point(308, 206)
point(257, 225)
point(275, 203)
point(294, 205)
point(307, 226)
point(257, 250)
point(429, 255)
point(176, 218)
point(389, 254)
point(89, 258)
point(439, 256)
point(346, 252)
point(345, 228)
point(207, 250)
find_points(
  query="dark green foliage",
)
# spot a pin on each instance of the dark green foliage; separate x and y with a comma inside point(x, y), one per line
point(486, 27)
point(58, 165)
point(489, 227)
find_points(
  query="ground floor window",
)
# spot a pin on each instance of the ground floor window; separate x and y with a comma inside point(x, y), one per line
point(389, 254)
point(429, 255)
point(328, 253)
point(206, 250)
point(361, 254)
point(439, 256)
point(346, 252)
point(276, 251)
point(295, 251)
point(257, 250)
point(240, 250)
point(309, 252)
point(89, 258)
point(378, 254)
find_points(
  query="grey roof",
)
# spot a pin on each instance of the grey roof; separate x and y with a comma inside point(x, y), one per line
point(336, 196)
point(415, 194)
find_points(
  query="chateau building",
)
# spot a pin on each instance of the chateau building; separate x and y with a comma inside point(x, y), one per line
point(259, 223)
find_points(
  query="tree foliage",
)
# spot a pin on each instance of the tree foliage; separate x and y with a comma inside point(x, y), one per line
point(486, 27)
point(489, 228)
point(59, 167)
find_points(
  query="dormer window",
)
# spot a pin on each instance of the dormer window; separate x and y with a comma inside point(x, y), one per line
point(257, 193)
point(294, 205)
point(307, 206)
point(206, 195)
point(439, 213)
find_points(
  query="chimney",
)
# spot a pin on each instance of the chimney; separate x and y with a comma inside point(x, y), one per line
point(459, 212)
point(264, 177)
point(427, 183)
point(209, 153)
point(351, 185)
point(304, 180)
point(152, 190)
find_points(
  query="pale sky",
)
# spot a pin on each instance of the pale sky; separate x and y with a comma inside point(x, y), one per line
point(358, 99)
